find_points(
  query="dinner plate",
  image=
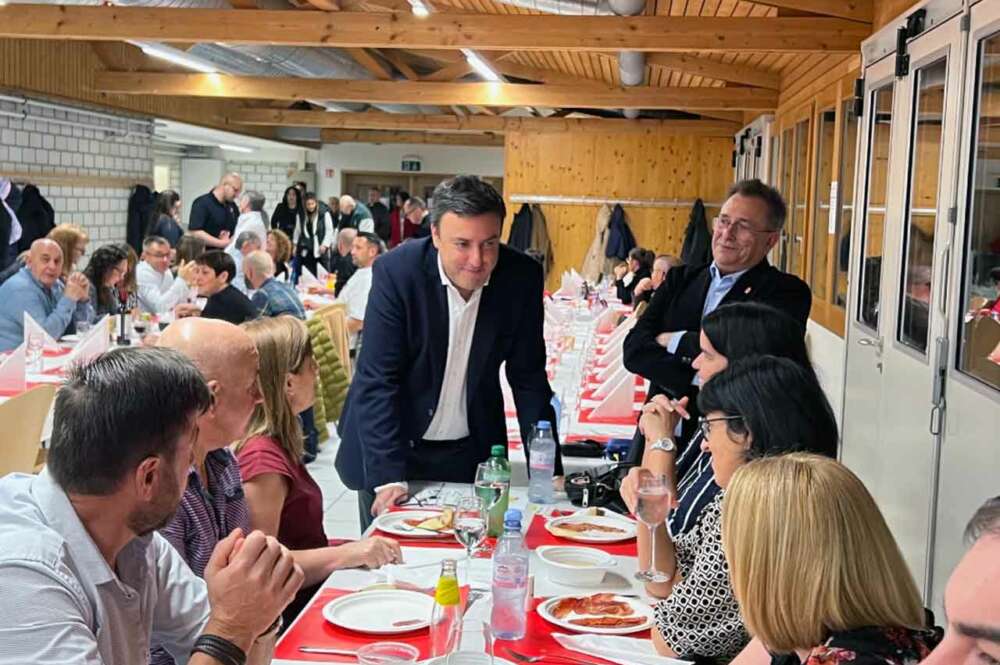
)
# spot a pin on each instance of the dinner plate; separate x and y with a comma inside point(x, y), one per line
point(627, 527)
point(393, 524)
point(365, 611)
point(638, 607)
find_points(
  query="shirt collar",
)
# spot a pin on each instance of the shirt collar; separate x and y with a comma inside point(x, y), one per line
point(730, 278)
point(60, 514)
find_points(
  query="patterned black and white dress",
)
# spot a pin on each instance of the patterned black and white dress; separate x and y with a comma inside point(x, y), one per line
point(701, 619)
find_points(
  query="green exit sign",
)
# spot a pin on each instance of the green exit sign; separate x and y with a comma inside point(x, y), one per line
point(411, 165)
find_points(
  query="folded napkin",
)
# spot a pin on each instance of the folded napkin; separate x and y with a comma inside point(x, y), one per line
point(424, 574)
point(616, 648)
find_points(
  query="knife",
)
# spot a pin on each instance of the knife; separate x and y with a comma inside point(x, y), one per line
point(328, 651)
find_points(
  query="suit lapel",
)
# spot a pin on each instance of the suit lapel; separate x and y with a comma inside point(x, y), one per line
point(437, 318)
point(483, 337)
point(746, 287)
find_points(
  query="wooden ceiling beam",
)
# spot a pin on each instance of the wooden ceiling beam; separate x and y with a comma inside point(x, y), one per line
point(437, 31)
point(855, 10)
point(375, 136)
point(397, 61)
point(325, 5)
point(470, 123)
point(370, 63)
point(713, 69)
point(436, 94)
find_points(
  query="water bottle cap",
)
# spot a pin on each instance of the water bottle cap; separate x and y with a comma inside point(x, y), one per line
point(544, 424)
point(512, 517)
point(498, 451)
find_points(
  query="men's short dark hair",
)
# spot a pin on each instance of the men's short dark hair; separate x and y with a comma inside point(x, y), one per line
point(985, 521)
point(255, 199)
point(466, 196)
point(310, 196)
point(372, 240)
point(777, 210)
point(114, 412)
point(218, 261)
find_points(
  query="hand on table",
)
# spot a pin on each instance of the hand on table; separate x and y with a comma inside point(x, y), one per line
point(373, 552)
point(386, 498)
point(250, 581)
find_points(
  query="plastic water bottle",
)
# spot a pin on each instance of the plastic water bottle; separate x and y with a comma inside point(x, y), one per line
point(542, 453)
point(446, 617)
point(510, 581)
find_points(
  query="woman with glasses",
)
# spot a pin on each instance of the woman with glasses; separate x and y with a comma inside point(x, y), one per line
point(107, 268)
point(756, 407)
point(283, 498)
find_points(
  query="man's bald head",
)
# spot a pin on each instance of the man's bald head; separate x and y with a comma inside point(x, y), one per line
point(227, 358)
point(345, 240)
point(231, 185)
point(45, 261)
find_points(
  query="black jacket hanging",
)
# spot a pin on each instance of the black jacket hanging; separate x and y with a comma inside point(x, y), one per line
point(620, 238)
point(36, 216)
point(141, 205)
point(697, 249)
point(520, 229)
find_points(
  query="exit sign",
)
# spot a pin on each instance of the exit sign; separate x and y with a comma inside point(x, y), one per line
point(411, 165)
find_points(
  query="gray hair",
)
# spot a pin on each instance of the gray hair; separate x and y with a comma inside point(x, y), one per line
point(416, 202)
point(986, 521)
point(466, 196)
point(346, 236)
point(153, 240)
point(255, 199)
point(247, 237)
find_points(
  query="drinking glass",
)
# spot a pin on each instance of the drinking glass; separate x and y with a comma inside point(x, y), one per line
point(474, 645)
point(82, 328)
point(34, 352)
point(653, 506)
point(388, 653)
point(470, 527)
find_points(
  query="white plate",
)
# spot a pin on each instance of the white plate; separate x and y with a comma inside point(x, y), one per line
point(365, 611)
point(627, 527)
point(638, 607)
point(392, 523)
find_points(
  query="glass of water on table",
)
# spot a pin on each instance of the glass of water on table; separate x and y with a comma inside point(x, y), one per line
point(470, 527)
point(653, 506)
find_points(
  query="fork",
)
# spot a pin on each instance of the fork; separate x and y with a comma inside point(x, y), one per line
point(524, 658)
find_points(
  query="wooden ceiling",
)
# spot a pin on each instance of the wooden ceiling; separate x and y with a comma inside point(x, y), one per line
point(714, 58)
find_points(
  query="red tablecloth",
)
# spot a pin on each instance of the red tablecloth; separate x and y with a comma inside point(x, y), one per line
point(538, 536)
point(312, 629)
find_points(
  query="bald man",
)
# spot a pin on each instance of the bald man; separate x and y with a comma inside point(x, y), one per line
point(355, 215)
point(37, 289)
point(213, 215)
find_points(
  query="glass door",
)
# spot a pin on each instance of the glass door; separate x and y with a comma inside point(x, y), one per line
point(970, 455)
point(904, 248)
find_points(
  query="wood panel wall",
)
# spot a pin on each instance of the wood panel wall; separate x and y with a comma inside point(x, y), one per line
point(645, 164)
point(64, 70)
point(886, 10)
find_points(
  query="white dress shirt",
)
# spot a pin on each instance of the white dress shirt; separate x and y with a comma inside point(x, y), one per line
point(355, 295)
point(159, 292)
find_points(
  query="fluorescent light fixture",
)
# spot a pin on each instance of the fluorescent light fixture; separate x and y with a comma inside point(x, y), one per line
point(177, 57)
point(480, 66)
point(419, 9)
point(235, 148)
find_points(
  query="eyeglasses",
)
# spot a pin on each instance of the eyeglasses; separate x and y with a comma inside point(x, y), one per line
point(705, 423)
point(740, 227)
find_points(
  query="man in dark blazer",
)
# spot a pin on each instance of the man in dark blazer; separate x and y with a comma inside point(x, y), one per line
point(665, 341)
point(444, 312)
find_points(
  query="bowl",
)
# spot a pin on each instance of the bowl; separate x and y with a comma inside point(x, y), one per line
point(575, 566)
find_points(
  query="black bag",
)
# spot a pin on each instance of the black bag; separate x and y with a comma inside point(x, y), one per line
point(598, 487)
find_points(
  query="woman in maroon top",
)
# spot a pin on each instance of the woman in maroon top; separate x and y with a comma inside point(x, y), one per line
point(283, 498)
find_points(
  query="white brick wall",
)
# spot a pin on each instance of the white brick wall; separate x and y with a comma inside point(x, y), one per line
point(173, 166)
point(269, 178)
point(37, 146)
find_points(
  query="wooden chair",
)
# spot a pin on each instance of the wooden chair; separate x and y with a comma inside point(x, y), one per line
point(24, 418)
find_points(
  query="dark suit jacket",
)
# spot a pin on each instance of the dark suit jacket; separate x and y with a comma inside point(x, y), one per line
point(400, 369)
point(677, 305)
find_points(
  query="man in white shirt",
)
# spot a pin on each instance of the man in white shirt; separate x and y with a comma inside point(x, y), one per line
point(366, 248)
point(86, 577)
point(443, 314)
point(159, 290)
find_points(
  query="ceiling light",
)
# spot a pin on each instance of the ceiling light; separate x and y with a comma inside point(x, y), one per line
point(177, 57)
point(235, 148)
point(419, 9)
point(480, 65)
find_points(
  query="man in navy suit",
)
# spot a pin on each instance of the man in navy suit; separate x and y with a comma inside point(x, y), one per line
point(443, 313)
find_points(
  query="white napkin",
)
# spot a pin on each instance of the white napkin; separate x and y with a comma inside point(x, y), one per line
point(12, 370)
point(32, 327)
point(307, 278)
point(616, 648)
point(425, 574)
point(321, 273)
point(92, 345)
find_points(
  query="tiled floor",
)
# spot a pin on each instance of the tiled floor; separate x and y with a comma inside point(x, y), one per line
point(340, 505)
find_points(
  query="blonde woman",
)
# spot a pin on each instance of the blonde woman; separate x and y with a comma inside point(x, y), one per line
point(72, 239)
point(817, 574)
point(283, 498)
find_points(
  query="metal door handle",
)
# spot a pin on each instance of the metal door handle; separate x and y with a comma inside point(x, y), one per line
point(874, 343)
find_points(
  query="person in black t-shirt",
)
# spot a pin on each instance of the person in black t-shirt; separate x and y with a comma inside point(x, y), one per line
point(213, 215)
point(214, 277)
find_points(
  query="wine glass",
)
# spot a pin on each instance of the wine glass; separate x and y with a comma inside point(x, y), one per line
point(653, 506)
point(470, 526)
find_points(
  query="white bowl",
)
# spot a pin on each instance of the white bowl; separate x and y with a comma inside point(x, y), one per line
point(575, 566)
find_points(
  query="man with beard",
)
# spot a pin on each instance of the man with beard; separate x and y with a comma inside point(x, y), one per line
point(86, 578)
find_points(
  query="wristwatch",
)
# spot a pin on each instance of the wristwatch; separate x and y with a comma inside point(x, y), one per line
point(665, 444)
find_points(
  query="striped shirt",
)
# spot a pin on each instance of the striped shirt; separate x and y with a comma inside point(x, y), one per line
point(696, 488)
point(206, 515)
